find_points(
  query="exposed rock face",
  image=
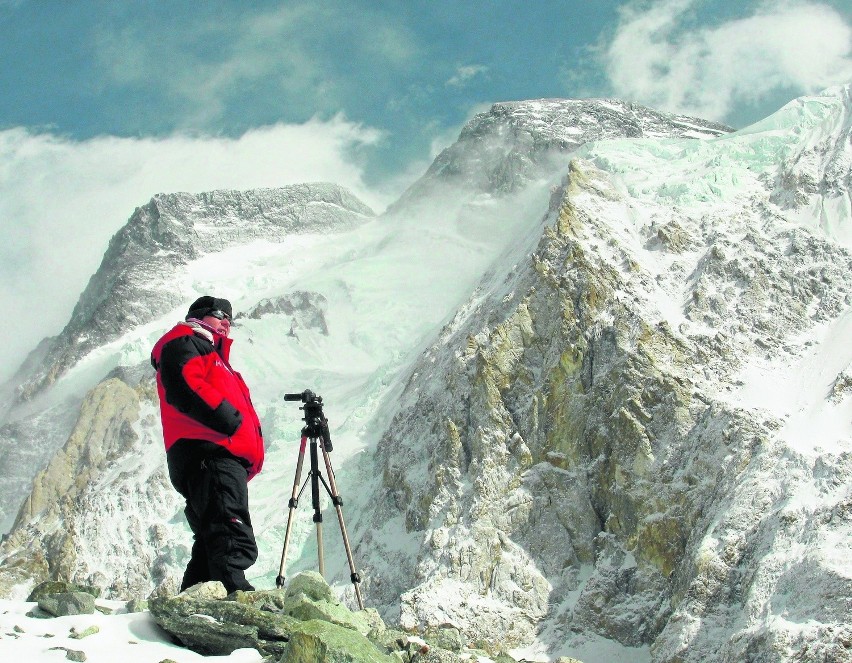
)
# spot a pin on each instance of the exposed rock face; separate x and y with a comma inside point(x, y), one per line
point(61, 523)
point(562, 462)
point(29, 443)
point(105, 434)
point(307, 310)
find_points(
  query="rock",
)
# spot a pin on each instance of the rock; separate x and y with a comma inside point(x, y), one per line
point(312, 585)
point(60, 587)
point(216, 627)
point(71, 654)
point(391, 639)
point(69, 603)
point(206, 591)
point(270, 600)
point(318, 626)
point(503, 658)
point(308, 596)
point(437, 655)
point(136, 605)
point(79, 635)
point(446, 637)
point(313, 641)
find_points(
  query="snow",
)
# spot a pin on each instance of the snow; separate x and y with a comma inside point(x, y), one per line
point(797, 390)
point(121, 636)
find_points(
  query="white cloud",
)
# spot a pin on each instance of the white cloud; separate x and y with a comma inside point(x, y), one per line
point(465, 73)
point(61, 201)
point(655, 59)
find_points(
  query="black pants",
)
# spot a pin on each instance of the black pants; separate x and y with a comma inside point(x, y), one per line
point(215, 485)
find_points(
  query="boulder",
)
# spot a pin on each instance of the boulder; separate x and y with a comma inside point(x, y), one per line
point(218, 627)
point(316, 641)
point(446, 636)
point(136, 605)
point(210, 591)
point(312, 585)
point(60, 587)
point(68, 603)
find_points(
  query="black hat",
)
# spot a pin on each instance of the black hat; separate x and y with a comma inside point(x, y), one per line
point(203, 305)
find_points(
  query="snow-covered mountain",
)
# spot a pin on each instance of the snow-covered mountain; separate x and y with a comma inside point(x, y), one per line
point(589, 383)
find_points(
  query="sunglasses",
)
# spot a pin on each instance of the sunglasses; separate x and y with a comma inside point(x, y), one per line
point(219, 315)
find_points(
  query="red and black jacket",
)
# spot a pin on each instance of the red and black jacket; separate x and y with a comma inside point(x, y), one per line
point(202, 397)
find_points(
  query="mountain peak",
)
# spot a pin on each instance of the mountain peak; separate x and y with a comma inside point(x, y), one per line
point(130, 286)
point(515, 142)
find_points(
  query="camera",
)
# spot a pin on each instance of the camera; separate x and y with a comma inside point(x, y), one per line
point(316, 425)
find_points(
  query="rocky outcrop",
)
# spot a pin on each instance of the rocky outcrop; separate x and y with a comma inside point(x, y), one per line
point(303, 623)
point(104, 433)
point(306, 310)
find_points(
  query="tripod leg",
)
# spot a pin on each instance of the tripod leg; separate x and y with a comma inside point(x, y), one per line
point(315, 497)
point(319, 550)
point(279, 581)
point(338, 507)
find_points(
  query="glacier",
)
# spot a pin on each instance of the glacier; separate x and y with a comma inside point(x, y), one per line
point(589, 383)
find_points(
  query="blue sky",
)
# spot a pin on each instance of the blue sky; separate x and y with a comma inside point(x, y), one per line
point(415, 70)
point(105, 103)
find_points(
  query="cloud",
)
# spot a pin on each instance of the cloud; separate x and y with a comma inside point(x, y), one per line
point(61, 201)
point(465, 73)
point(300, 58)
point(656, 58)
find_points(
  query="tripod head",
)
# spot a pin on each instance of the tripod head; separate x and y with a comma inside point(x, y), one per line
point(316, 425)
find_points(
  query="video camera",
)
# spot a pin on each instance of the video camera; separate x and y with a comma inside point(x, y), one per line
point(316, 425)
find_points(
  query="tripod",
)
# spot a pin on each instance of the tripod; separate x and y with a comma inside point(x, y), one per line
point(316, 431)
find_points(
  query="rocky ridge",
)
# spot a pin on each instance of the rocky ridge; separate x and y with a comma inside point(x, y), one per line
point(167, 233)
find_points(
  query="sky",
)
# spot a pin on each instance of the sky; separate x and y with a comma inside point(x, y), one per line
point(106, 103)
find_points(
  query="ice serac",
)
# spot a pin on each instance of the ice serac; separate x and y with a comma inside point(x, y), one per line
point(641, 434)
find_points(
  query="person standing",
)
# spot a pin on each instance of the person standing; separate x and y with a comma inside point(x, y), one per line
point(213, 439)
